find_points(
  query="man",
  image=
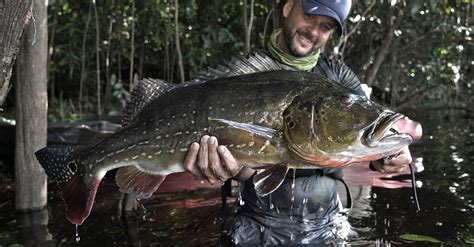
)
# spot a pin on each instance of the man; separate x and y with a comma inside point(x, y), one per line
point(306, 207)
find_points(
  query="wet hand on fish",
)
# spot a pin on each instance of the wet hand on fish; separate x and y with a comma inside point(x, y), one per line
point(207, 160)
point(304, 122)
point(398, 162)
point(395, 164)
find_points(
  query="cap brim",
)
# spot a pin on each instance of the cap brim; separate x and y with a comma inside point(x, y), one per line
point(321, 9)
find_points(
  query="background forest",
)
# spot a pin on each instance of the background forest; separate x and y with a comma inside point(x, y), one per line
point(414, 54)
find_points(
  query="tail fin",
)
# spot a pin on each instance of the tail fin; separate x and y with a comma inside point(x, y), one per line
point(60, 165)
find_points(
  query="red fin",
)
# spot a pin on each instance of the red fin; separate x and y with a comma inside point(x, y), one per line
point(270, 179)
point(142, 184)
point(79, 198)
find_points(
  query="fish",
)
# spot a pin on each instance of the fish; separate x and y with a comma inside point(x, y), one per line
point(270, 119)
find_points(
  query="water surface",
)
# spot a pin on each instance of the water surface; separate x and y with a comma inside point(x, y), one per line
point(186, 211)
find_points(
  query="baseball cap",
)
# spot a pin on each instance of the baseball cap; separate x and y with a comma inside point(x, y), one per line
point(336, 9)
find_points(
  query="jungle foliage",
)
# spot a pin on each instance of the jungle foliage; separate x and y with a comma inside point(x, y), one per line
point(415, 54)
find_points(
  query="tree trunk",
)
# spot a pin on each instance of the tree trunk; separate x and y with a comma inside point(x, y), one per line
point(14, 15)
point(108, 84)
point(31, 111)
point(57, 6)
point(132, 46)
point(119, 60)
point(141, 60)
point(97, 57)
point(178, 47)
point(245, 22)
point(394, 83)
point(166, 63)
point(83, 61)
point(248, 22)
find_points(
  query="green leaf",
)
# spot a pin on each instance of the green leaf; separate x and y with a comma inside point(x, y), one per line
point(470, 240)
point(15, 245)
point(419, 238)
point(444, 51)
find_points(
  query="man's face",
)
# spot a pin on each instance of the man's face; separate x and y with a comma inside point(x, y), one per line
point(305, 33)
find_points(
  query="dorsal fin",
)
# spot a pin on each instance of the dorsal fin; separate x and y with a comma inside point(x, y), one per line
point(145, 91)
point(255, 62)
point(149, 89)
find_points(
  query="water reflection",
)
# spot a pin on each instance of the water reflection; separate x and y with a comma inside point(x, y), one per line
point(192, 215)
point(131, 227)
point(361, 175)
point(33, 228)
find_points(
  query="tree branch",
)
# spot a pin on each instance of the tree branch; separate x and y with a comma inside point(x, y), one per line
point(384, 48)
point(414, 97)
point(343, 39)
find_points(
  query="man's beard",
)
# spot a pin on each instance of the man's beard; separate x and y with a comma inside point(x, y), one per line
point(289, 38)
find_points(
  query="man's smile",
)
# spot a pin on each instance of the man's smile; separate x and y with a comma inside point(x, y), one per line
point(305, 40)
point(306, 37)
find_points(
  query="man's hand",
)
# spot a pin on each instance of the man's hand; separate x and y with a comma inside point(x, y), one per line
point(396, 164)
point(404, 158)
point(208, 160)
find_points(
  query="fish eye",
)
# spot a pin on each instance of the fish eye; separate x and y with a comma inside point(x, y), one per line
point(346, 100)
point(291, 124)
point(72, 166)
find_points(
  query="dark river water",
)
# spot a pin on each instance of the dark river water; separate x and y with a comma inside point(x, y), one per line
point(384, 213)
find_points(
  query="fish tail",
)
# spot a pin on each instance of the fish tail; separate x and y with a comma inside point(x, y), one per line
point(60, 164)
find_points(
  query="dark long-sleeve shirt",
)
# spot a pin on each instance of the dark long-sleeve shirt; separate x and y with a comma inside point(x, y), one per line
point(306, 207)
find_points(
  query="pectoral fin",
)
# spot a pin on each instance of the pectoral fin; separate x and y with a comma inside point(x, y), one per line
point(142, 184)
point(249, 143)
point(270, 179)
point(266, 133)
point(255, 144)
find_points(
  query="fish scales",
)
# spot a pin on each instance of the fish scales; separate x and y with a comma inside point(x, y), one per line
point(297, 119)
point(164, 115)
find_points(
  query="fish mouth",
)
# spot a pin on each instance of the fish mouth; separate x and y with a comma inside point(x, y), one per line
point(381, 133)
